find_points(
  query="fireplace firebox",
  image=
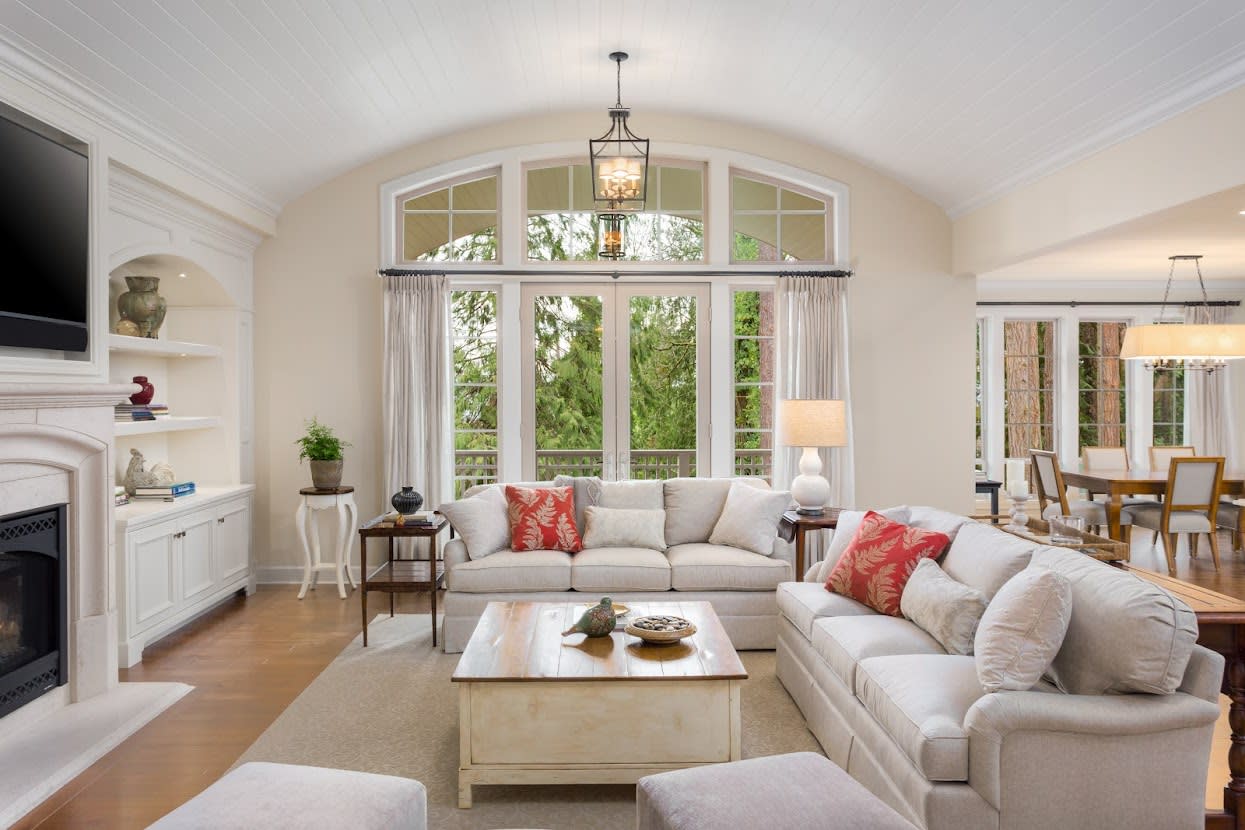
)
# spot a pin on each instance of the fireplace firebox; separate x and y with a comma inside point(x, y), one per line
point(33, 614)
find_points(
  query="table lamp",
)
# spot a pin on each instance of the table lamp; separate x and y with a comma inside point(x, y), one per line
point(812, 424)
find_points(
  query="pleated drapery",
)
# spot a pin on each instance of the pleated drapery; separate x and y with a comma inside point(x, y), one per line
point(813, 354)
point(418, 403)
point(1208, 397)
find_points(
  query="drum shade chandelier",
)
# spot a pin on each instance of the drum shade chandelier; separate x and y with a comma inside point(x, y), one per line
point(619, 164)
point(1202, 347)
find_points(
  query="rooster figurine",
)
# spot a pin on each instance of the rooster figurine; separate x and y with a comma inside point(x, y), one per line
point(597, 621)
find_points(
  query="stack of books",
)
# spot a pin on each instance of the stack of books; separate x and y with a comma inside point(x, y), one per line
point(119, 496)
point(164, 492)
point(160, 410)
point(420, 518)
point(135, 412)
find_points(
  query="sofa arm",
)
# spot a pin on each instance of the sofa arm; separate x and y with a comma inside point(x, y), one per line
point(784, 551)
point(1024, 744)
point(455, 554)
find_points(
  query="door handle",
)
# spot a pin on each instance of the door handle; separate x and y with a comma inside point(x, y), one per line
point(220, 520)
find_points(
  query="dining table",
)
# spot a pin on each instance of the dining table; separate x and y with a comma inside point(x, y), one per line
point(1116, 484)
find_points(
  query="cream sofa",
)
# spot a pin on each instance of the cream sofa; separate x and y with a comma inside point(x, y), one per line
point(739, 584)
point(912, 723)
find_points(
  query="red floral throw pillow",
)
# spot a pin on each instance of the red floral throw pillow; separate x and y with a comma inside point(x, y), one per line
point(878, 561)
point(542, 519)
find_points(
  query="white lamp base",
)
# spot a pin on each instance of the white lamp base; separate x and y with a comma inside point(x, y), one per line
point(810, 489)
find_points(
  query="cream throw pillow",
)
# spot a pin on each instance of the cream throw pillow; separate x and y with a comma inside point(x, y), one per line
point(750, 518)
point(1022, 629)
point(610, 527)
point(948, 610)
point(480, 521)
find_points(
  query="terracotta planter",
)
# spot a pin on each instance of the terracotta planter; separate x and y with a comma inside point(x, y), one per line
point(326, 474)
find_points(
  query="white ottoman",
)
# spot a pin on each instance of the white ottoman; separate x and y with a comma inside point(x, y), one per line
point(286, 797)
point(798, 791)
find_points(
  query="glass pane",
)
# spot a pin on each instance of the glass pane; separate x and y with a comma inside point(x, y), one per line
point(1101, 404)
point(747, 194)
point(798, 201)
point(568, 386)
point(756, 239)
point(475, 408)
point(436, 200)
point(470, 244)
point(478, 195)
point(425, 236)
point(752, 407)
point(559, 237)
point(804, 238)
point(663, 387)
point(747, 360)
point(549, 188)
point(474, 323)
point(754, 313)
point(1028, 386)
point(681, 188)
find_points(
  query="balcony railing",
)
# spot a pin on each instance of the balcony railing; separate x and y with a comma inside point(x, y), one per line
point(472, 467)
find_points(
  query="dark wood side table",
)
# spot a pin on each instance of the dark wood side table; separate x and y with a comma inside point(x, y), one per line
point(400, 576)
point(794, 525)
point(985, 486)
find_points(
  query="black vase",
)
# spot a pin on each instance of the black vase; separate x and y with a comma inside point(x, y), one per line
point(407, 501)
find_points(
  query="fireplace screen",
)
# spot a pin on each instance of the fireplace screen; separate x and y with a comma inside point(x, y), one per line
point(32, 606)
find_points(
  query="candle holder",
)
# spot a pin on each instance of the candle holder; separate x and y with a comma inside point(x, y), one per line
point(1020, 516)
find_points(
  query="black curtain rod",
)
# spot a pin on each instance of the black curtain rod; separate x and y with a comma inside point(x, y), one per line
point(563, 272)
point(1075, 303)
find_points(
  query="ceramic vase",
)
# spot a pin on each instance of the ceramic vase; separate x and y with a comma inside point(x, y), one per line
point(143, 397)
point(326, 474)
point(406, 500)
point(142, 305)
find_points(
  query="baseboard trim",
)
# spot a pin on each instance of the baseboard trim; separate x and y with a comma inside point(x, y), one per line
point(291, 575)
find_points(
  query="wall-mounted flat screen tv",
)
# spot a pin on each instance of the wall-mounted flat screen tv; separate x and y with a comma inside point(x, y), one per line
point(44, 235)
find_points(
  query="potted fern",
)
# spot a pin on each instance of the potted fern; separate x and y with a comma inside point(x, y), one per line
point(321, 446)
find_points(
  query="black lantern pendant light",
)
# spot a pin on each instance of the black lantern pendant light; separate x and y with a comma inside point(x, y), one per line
point(619, 163)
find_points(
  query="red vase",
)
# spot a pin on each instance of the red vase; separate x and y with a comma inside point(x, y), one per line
point(144, 397)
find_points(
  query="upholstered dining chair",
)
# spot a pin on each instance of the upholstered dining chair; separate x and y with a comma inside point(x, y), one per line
point(1053, 496)
point(1191, 507)
point(1160, 457)
point(1098, 459)
point(1231, 516)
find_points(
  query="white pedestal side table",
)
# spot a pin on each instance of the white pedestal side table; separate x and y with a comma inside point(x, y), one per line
point(340, 499)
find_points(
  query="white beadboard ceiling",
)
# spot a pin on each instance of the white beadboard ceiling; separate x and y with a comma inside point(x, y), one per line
point(959, 100)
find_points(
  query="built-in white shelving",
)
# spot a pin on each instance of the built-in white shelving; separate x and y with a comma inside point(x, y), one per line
point(122, 344)
point(176, 423)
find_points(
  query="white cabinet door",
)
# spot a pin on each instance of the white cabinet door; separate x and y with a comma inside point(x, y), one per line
point(153, 575)
point(198, 571)
point(233, 540)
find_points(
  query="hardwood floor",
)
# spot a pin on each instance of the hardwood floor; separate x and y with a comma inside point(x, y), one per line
point(249, 658)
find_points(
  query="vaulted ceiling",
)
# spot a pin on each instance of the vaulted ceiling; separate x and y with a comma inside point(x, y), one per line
point(961, 101)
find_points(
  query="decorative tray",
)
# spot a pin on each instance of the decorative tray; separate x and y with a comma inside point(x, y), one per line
point(1038, 530)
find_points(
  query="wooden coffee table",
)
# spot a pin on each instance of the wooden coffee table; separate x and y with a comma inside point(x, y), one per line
point(537, 708)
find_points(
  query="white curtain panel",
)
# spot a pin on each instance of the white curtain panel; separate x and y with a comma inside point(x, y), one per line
point(418, 415)
point(812, 332)
point(1209, 398)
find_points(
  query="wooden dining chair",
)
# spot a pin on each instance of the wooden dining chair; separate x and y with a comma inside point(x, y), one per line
point(1190, 508)
point(1053, 496)
point(1160, 457)
point(1231, 516)
point(1094, 459)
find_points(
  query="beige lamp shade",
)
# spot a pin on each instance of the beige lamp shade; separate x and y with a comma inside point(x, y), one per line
point(1184, 341)
point(813, 423)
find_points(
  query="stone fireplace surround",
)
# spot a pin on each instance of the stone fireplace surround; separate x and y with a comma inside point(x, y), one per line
point(56, 446)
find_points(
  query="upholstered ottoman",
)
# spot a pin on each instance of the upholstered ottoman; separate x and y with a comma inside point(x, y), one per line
point(281, 796)
point(802, 790)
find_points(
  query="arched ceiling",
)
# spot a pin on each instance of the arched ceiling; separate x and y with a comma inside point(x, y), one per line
point(961, 101)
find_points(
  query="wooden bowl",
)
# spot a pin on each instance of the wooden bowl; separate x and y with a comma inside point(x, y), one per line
point(655, 637)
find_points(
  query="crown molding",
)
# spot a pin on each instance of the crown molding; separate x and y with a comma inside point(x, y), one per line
point(128, 187)
point(1222, 80)
point(59, 85)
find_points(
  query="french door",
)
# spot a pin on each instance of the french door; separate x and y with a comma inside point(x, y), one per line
point(615, 380)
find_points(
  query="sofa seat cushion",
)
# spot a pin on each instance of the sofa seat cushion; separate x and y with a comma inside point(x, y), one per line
point(804, 602)
point(705, 567)
point(920, 701)
point(620, 569)
point(844, 641)
point(512, 571)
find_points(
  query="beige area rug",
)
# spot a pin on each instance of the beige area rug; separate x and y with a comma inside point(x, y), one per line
point(391, 708)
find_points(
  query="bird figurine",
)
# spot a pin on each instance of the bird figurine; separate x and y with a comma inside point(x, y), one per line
point(597, 621)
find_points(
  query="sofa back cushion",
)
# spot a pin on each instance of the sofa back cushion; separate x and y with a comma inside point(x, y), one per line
point(984, 557)
point(1125, 634)
point(931, 518)
point(587, 492)
point(632, 495)
point(693, 506)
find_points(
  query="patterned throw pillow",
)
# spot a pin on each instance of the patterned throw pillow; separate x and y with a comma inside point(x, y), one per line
point(542, 519)
point(881, 556)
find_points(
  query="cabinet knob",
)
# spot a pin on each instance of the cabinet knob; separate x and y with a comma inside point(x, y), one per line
point(221, 520)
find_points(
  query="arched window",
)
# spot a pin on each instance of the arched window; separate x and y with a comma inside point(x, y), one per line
point(562, 224)
point(454, 223)
point(771, 222)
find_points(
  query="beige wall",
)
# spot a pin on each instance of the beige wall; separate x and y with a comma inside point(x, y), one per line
point(318, 324)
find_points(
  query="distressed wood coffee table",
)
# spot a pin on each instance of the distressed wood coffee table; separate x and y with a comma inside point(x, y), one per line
point(537, 708)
